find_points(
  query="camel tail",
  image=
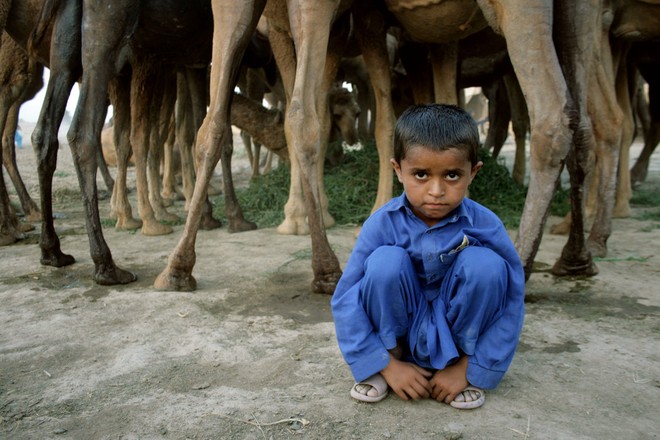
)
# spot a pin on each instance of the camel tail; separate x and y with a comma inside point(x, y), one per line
point(46, 18)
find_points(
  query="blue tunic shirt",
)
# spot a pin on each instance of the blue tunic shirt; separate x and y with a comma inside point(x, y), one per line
point(430, 250)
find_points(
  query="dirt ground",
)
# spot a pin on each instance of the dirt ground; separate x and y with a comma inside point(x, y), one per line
point(252, 353)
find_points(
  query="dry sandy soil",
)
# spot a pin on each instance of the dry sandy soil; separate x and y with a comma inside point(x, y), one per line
point(252, 353)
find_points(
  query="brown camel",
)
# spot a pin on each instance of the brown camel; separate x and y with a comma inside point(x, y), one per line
point(54, 33)
point(20, 80)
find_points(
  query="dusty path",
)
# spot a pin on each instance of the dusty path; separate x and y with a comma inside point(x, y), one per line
point(253, 346)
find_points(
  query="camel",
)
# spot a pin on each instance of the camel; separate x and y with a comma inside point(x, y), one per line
point(53, 33)
point(21, 79)
point(553, 98)
point(528, 31)
point(18, 80)
point(310, 32)
point(610, 107)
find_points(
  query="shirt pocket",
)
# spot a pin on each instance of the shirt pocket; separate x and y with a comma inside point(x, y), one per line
point(448, 259)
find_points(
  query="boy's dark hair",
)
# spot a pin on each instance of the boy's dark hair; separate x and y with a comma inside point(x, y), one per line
point(438, 127)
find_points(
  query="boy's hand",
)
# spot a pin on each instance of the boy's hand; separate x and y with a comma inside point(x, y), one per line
point(408, 381)
point(447, 383)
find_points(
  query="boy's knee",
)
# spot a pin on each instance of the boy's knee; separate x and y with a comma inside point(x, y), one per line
point(386, 263)
point(482, 265)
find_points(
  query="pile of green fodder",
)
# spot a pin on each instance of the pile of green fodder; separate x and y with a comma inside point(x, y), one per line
point(351, 189)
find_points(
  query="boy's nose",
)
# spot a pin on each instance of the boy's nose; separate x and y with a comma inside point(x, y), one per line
point(436, 188)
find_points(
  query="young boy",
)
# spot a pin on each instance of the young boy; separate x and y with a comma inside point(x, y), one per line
point(431, 300)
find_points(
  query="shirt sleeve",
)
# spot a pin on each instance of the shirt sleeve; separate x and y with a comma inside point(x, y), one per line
point(361, 347)
point(496, 347)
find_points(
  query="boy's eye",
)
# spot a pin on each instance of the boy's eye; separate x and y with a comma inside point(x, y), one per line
point(453, 176)
point(421, 175)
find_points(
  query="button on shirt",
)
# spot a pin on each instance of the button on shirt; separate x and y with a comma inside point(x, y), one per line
point(432, 250)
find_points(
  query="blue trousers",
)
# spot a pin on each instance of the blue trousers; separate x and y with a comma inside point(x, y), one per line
point(433, 333)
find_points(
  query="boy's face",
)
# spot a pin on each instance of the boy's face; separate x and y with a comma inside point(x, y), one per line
point(435, 182)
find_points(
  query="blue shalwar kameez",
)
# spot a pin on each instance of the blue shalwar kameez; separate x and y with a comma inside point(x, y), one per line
point(438, 292)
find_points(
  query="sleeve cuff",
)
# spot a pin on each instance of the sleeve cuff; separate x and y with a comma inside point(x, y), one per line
point(369, 364)
point(482, 377)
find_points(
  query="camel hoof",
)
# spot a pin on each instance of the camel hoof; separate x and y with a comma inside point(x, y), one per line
point(128, 224)
point(26, 227)
point(33, 216)
point(213, 191)
point(290, 227)
point(56, 259)
point(168, 217)
point(241, 225)
point(328, 220)
point(154, 229)
point(563, 268)
point(177, 281)
point(113, 275)
point(562, 228)
point(597, 248)
point(326, 284)
point(7, 239)
point(208, 223)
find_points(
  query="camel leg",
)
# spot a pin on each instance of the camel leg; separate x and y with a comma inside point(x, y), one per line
point(520, 125)
point(105, 172)
point(577, 51)
point(310, 29)
point(9, 224)
point(652, 135)
point(64, 70)
point(295, 222)
point(196, 81)
point(529, 35)
point(608, 118)
point(184, 136)
point(169, 193)
point(84, 138)
point(119, 90)
point(444, 61)
point(499, 116)
point(233, 26)
point(336, 45)
point(161, 110)
point(623, 190)
point(142, 98)
point(371, 36)
point(30, 209)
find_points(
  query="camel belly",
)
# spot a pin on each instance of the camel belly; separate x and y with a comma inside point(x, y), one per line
point(437, 21)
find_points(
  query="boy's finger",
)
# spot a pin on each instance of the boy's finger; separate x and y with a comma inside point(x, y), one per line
point(424, 371)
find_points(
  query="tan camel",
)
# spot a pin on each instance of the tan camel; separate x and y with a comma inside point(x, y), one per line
point(611, 112)
point(234, 23)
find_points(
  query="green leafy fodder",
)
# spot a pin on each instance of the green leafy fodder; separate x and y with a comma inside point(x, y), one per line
point(351, 188)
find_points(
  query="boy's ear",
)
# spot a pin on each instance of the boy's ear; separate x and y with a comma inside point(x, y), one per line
point(397, 169)
point(475, 170)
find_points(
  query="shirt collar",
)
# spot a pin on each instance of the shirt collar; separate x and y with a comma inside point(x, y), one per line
point(401, 203)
